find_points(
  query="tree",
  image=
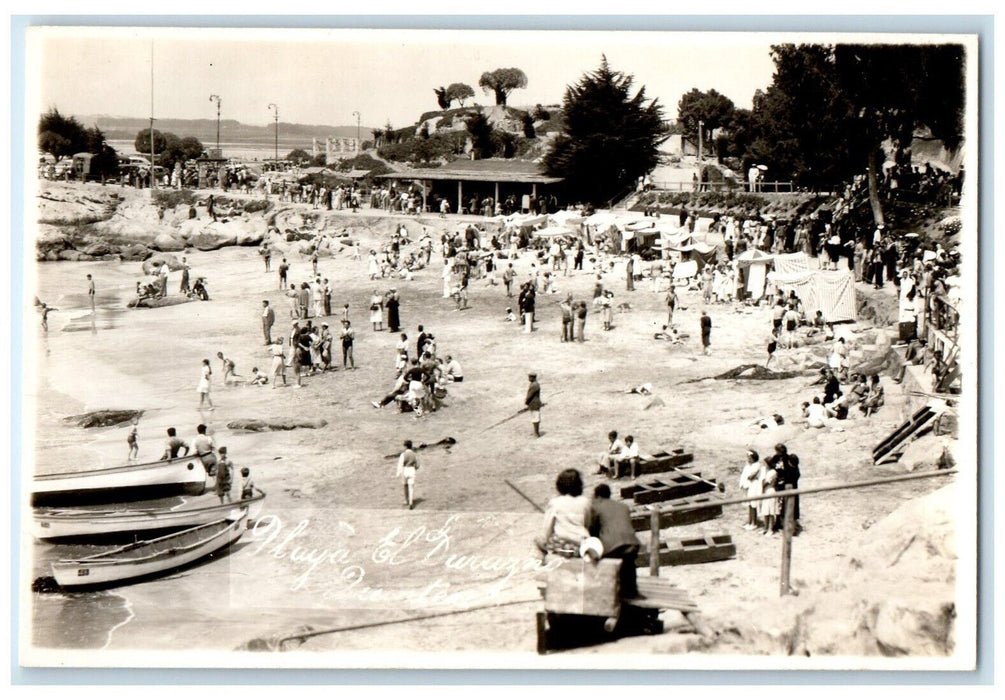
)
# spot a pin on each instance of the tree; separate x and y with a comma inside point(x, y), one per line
point(610, 137)
point(441, 97)
point(459, 92)
point(897, 89)
point(298, 156)
point(501, 82)
point(60, 136)
point(528, 126)
point(803, 126)
point(142, 142)
point(388, 132)
point(424, 131)
point(105, 160)
point(192, 148)
point(481, 135)
point(712, 108)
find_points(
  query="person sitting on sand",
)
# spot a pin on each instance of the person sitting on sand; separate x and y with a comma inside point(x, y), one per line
point(510, 316)
point(565, 518)
point(627, 460)
point(816, 414)
point(874, 399)
point(258, 377)
point(607, 459)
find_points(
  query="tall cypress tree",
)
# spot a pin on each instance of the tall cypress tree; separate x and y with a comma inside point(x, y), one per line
point(610, 138)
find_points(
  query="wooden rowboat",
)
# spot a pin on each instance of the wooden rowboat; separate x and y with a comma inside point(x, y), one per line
point(151, 557)
point(126, 482)
point(77, 523)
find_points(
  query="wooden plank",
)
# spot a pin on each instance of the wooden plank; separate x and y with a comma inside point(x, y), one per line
point(900, 434)
point(582, 587)
point(894, 451)
point(681, 487)
point(664, 463)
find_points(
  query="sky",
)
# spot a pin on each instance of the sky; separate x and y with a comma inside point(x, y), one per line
point(323, 76)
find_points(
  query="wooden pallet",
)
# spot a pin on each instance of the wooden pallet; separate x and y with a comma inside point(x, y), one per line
point(890, 448)
point(663, 462)
point(641, 514)
point(692, 551)
point(666, 489)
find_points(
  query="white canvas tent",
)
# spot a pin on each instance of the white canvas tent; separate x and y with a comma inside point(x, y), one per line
point(829, 291)
point(752, 266)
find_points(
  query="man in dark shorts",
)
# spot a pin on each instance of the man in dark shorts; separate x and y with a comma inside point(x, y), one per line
point(532, 403)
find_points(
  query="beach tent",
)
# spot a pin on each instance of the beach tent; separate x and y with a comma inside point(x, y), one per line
point(829, 291)
point(752, 269)
point(794, 262)
point(684, 270)
point(553, 232)
point(567, 218)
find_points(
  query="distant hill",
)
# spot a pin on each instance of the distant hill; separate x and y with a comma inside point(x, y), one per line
point(231, 131)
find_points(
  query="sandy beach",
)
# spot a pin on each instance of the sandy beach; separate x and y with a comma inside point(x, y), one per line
point(336, 547)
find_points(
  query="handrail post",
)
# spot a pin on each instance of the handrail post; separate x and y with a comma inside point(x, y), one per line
point(788, 528)
point(654, 542)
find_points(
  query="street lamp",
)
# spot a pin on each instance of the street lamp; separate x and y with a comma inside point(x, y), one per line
point(275, 109)
point(701, 129)
point(356, 114)
point(218, 101)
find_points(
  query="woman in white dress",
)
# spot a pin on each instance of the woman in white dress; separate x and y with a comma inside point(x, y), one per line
point(750, 482)
point(373, 267)
point(377, 311)
point(204, 385)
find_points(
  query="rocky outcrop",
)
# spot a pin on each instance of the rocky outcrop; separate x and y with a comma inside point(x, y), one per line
point(104, 418)
point(212, 240)
point(159, 259)
point(259, 425)
point(168, 243)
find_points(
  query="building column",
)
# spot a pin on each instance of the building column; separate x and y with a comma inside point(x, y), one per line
point(460, 196)
point(496, 200)
point(423, 196)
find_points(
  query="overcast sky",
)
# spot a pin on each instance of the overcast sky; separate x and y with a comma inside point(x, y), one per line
point(322, 77)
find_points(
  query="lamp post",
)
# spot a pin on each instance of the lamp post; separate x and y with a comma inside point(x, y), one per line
point(701, 130)
point(218, 101)
point(275, 110)
point(356, 114)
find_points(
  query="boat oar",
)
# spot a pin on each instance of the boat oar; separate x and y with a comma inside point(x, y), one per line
point(718, 485)
point(448, 441)
point(524, 496)
point(506, 419)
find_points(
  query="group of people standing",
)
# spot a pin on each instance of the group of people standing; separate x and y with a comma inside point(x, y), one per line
point(774, 474)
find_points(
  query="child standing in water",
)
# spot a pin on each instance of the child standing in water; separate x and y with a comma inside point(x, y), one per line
point(133, 440)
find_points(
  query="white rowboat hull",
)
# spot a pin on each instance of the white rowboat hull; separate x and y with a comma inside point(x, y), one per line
point(150, 557)
point(179, 475)
point(67, 524)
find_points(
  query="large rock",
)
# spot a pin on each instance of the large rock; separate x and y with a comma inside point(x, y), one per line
point(135, 252)
point(250, 238)
point(104, 418)
point(259, 425)
point(188, 228)
point(212, 240)
point(72, 255)
point(159, 259)
point(168, 243)
point(922, 454)
point(97, 249)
